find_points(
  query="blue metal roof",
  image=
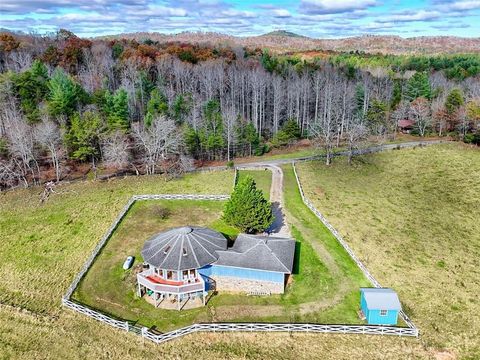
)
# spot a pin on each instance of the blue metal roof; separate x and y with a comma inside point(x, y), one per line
point(381, 299)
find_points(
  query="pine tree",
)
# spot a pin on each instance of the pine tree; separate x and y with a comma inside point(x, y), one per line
point(82, 137)
point(64, 94)
point(116, 108)
point(247, 209)
point(454, 101)
point(31, 87)
point(418, 86)
point(213, 127)
point(157, 105)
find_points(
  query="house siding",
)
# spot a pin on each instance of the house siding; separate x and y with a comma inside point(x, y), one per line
point(373, 315)
point(250, 274)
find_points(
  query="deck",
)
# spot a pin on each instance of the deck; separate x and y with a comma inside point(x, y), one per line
point(160, 285)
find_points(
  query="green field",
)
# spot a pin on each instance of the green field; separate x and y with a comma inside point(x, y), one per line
point(263, 179)
point(322, 290)
point(413, 217)
point(42, 247)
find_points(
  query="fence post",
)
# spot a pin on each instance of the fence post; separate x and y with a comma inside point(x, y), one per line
point(342, 242)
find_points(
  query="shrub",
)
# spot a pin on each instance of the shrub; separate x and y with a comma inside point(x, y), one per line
point(472, 139)
point(161, 212)
point(247, 209)
point(261, 149)
point(230, 164)
point(289, 132)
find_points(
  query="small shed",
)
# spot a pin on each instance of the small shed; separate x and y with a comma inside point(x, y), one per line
point(380, 306)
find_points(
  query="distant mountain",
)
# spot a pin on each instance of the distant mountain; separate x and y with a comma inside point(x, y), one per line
point(282, 41)
point(283, 33)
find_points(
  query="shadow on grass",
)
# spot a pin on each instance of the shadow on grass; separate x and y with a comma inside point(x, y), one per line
point(296, 259)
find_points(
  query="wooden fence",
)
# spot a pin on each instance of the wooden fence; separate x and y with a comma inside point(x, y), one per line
point(347, 248)
point(225, 327)
point(120, 217)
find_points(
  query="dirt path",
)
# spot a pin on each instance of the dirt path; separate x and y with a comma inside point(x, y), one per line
point(280, 228)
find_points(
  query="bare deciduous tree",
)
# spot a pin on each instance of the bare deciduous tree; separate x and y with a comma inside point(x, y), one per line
point(157, 141)
point(420, 113)
point(20, 142)
point(116, 150)
point(48, 135)
point(355, 133)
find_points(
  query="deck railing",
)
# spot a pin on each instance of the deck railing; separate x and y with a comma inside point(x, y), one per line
point(199, 285)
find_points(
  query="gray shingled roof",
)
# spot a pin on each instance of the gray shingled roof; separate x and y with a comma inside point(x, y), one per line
point(183, 248)
point(259, 253)
point(381, 299)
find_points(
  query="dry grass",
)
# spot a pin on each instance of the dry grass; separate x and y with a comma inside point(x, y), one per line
point(321, 291)
point(413, 217)
point(72, 336)
point(42, 247)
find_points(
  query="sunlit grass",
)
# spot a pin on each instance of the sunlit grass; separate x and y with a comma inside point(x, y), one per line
point(413, 217)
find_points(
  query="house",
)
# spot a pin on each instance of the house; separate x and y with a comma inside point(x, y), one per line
point(406, 125)
point(173, 260)
point(254, 264)
point(380, 306)
point(183, 264)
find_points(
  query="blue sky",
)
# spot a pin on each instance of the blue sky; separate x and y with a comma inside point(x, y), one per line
point(316, 18)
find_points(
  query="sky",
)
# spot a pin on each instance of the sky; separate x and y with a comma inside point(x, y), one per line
point(314, 18)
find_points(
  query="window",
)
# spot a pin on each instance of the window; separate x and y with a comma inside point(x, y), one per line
point(383, 312)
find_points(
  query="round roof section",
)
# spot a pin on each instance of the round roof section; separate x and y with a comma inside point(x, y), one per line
point(183, 248)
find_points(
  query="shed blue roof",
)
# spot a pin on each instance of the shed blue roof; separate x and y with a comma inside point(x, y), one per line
point(381, 299)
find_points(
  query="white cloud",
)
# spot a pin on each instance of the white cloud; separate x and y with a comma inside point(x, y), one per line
point(334, 6)
point(281, 13)
point(408, 16)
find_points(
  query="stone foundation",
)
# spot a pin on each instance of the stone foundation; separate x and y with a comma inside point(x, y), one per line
point(233, 284)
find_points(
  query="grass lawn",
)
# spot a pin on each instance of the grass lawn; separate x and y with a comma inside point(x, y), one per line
point(413, 217)
point(42, 247)
point(320, 292)
point(263, 179)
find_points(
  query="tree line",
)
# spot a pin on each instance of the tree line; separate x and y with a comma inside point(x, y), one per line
point(153, 106)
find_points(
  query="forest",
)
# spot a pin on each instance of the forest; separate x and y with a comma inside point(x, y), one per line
point(149, 106)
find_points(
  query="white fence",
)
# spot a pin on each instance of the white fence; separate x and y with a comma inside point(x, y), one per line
point(224, 327)
point(119, 218)
point(347, 248)
point(266, 327)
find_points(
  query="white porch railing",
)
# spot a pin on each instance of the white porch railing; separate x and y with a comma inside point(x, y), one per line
point(142, 279)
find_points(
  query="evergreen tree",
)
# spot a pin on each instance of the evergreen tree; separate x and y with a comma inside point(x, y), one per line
point(418, 86)
point(157, 105)
point(247, 136)
point(64, 95)
point(116, 109)
point(377, 116)
point(192, 141)
point(359, 100)
point(180, 108)
point(31, 87)
point(247, 209)
point(396, 94)
point(82, 138)
point(290, 131)
point(454, 101)
point(213, 140)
